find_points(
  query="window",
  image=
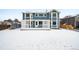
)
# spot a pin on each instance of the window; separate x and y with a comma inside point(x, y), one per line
point(36, 23)
point(27, 15)
point(54, 23)
point(36, 14)
point(40, 22)
point(40, 14)
point(44, 14)
point(54, 15)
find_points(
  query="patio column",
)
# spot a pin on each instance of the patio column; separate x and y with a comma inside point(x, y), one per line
point(30, 19)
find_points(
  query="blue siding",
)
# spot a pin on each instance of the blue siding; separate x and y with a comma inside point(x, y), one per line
point(41, 17)
point(48, 16)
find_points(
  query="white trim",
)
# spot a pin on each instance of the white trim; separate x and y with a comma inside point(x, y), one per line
point(35, 28)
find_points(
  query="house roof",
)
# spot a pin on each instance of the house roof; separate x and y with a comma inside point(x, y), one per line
point(40, 11)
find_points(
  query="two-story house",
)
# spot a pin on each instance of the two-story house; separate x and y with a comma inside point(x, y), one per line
point(41, 20)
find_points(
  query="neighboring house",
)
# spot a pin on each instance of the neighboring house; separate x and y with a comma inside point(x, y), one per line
point(13, 24)
point(77, 21)
point(16, 24)
point(9, 22)
point(68, 20)
point(71, 20)
point(0, 25)
point(0, 22)
point(40, 20)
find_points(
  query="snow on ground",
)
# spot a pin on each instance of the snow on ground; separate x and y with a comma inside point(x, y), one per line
point(39, 39)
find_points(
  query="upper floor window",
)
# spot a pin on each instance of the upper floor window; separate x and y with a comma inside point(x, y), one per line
point(28, 15)
point(36, 14)
point(54, 15)
point(44, 14)
point(40, 14)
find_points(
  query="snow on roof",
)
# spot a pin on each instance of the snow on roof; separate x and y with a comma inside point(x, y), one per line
point(38, 10)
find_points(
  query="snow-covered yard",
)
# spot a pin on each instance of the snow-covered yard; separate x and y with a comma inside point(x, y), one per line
point(39, 39)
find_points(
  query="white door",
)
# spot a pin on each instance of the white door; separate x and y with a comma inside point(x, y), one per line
point(36, 24)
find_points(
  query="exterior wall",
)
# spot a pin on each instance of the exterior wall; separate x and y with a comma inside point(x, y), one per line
point(26, 23)
point(46, 23)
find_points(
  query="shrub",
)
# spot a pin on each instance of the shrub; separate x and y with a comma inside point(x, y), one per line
point(66, 26)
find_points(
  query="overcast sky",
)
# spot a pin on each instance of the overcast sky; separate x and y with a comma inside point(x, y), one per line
point(13, 8)
point(17, 13)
